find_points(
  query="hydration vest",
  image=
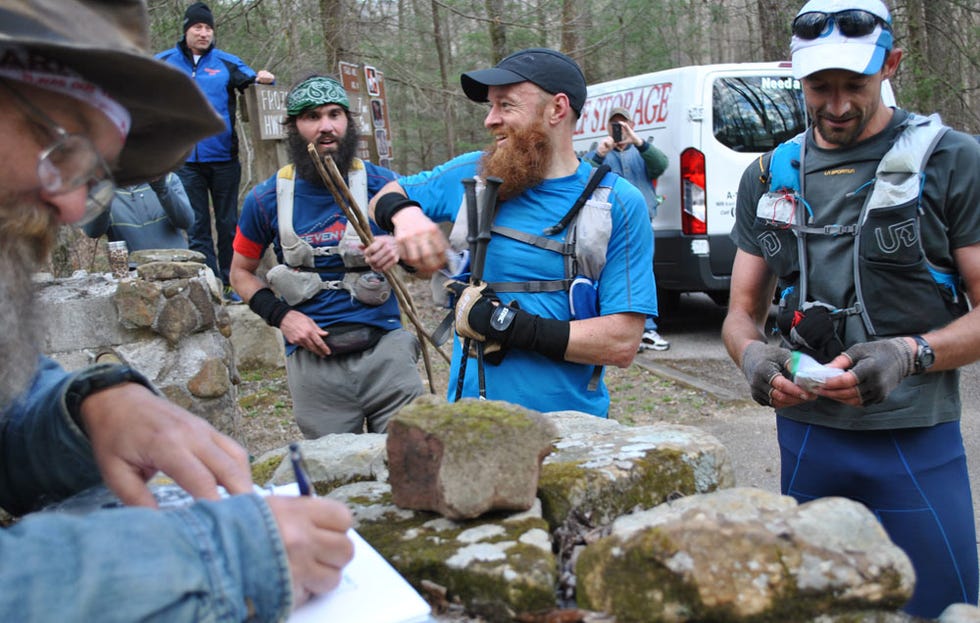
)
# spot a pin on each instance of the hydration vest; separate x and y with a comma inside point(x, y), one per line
point(589, 225)
point(898, 291)
point(298, 279)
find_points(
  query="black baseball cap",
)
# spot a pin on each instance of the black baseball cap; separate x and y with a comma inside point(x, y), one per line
point(551, 70)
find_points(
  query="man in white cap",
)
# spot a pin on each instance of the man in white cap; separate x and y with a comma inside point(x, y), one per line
point(867, 229)
point(82, 105)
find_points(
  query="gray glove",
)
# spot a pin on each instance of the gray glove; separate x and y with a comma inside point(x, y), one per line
point(762, 362)
point(880, 366)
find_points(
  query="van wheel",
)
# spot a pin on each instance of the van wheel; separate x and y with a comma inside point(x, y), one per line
point(668, 301)
point(720, 297)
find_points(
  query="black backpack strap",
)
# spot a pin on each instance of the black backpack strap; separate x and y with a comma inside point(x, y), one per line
point(597, 174)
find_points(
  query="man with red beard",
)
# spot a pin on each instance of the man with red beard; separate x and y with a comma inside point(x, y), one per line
point(349, 362)
point(548, 359)
point(82, 105)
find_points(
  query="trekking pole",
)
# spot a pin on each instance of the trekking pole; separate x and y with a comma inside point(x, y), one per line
point(334, 182)
point(469, 192)
point(484, 220)
point(484, 216)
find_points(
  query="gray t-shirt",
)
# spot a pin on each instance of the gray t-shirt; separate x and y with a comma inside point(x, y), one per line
point(836, 184)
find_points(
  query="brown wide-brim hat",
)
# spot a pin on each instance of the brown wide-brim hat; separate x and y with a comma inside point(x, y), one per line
point(106, 43)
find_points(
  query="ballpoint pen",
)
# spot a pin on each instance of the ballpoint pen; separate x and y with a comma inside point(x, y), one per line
point(299, 469)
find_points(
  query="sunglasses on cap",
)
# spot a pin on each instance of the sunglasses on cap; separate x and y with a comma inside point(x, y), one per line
point(851, 23)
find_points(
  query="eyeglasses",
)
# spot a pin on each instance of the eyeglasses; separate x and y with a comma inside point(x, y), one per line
point(69, 162)
point(852, 23)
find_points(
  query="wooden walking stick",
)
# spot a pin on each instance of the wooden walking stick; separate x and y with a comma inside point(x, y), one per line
point(334, 182)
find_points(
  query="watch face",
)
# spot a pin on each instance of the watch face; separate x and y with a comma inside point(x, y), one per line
point(924, 357)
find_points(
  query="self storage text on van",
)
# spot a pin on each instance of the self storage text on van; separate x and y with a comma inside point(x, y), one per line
point(712, 121)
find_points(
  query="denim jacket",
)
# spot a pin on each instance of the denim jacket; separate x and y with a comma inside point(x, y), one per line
point(210, 561)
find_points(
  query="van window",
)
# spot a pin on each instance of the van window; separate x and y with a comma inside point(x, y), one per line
point(756, 113)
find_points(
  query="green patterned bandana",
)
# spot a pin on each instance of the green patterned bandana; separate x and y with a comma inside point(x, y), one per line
point(313, 92)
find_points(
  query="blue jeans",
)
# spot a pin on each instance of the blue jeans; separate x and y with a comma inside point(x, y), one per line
point(210, 561)
point(213, 184)
point(914, 480)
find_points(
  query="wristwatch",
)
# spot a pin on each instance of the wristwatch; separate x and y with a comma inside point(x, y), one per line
point(95, 378)
point(924, 357)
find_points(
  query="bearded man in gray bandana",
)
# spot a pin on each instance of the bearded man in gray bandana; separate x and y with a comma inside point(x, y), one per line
point(336, 315)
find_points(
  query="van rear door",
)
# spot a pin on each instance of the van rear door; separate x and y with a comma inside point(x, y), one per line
point(751, 110)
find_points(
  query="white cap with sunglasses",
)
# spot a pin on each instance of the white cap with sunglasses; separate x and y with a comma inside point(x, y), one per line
point(841, 34)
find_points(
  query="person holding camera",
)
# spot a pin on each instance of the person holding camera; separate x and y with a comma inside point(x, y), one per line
point(349, 362)
point(641, 164)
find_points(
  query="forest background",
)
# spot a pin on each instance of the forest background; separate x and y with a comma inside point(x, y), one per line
point(422, 46)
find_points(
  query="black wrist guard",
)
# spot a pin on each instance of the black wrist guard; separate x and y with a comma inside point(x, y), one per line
point(267, 305)
point(387, 206)
point(515, 328)
point(95, 378)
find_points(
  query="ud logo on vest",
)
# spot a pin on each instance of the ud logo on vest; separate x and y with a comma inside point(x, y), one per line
point(900, 235)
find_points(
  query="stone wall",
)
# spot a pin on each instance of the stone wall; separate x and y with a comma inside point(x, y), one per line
point(630, 524)
point(166, 319)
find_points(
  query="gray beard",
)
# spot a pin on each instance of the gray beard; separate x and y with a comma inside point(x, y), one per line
point(21, 327)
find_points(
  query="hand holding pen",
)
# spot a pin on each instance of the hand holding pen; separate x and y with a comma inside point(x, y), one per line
point(299, 470)
point(314, 535)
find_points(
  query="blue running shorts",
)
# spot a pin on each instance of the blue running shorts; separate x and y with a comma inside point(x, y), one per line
point(916, 483)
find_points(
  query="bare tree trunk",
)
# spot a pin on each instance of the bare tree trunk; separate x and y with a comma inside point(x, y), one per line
point(334, 49)
point(498, 33)
point(442, 54)
point(542, 14)
point(571, 35)
point(775, 19)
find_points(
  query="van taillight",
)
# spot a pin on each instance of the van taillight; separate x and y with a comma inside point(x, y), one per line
point(694, 212)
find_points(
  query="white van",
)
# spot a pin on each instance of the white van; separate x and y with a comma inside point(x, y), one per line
point(712, 121)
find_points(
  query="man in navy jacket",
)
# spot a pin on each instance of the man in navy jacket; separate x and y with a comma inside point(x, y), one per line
point(213, 167)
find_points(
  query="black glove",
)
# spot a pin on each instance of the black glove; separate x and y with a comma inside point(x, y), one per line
point(814, 332)
point(466, 298)
point(880, 366)
point(481, 316)
point(761, 363)
point(472, 309)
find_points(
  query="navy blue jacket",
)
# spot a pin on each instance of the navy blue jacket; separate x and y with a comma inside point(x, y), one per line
point(218, 74)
